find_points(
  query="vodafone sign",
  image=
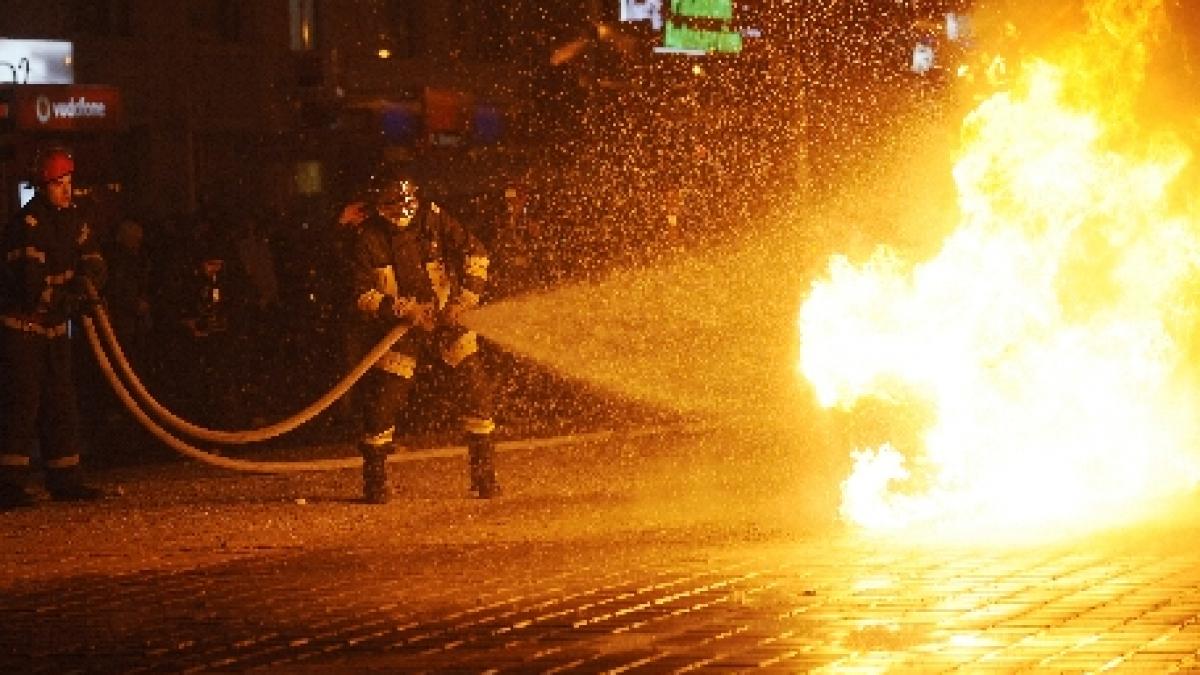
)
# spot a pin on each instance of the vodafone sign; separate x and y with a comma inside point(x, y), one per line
point(67, 107)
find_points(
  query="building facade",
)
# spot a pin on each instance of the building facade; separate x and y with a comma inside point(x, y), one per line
point(227, 102)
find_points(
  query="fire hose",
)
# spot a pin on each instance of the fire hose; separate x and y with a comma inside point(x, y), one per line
point(274, 467)
point(249, 436)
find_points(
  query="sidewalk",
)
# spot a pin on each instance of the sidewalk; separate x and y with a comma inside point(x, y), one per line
point(711, 551)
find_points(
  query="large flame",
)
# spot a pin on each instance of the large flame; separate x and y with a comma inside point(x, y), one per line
point(1048, 340)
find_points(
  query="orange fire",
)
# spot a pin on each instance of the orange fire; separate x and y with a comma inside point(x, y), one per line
point(1050, 336)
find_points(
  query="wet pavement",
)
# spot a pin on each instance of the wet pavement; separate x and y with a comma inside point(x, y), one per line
point(683, 551)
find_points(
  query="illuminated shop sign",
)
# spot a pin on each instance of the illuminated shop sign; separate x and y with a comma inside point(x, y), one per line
point(36, 62)
point(703, 9)
point(680, 37)
point(633, 11)
point(693, 27)
point(66, 108)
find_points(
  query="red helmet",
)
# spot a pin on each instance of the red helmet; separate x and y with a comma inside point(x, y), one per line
point(54, 164)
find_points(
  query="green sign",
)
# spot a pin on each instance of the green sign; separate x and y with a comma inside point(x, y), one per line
point(703, 9)
point(682, 37)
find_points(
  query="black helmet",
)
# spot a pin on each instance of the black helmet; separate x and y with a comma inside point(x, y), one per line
point(395, 198)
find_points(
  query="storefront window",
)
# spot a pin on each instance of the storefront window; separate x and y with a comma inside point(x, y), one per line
point(37, 61)
point(303, 25)
point(308, 177)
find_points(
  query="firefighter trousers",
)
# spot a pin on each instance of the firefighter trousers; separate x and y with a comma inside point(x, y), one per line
point(38, 409)
point(387, 395)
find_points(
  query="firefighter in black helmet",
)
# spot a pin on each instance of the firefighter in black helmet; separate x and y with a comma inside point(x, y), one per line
point(416, 264)
point(50, 258)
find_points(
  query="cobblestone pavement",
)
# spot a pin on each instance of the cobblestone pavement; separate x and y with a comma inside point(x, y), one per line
point(706, 553)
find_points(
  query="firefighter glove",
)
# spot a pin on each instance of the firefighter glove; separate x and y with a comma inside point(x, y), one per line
point(73, 298)
point(453, 313)
point(459, 306)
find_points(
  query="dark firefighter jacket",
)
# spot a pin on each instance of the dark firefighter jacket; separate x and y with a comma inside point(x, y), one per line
point(434, 259)
point(48, 254)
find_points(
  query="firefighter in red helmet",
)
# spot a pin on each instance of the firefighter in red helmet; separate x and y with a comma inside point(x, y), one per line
point(50, 259)
point(416, 264)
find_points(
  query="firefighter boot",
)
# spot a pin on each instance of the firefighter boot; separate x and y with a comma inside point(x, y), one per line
point(14, 488)
point(481, 453)
point(67, 485)
point(376, 489)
